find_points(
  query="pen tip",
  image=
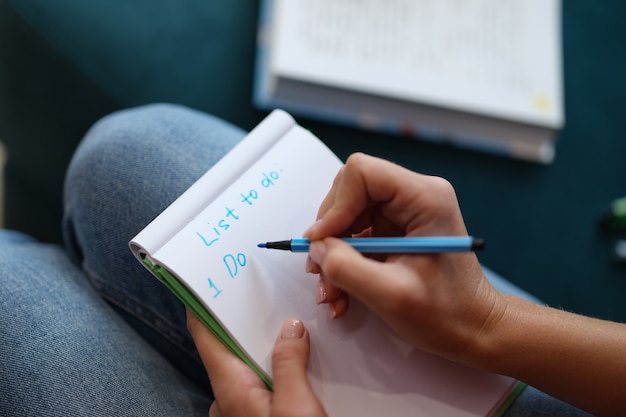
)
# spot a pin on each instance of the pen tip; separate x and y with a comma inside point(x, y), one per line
point(262, 245)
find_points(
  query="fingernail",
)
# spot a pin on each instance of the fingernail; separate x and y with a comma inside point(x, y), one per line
point(332, 311)
point(317, 251)
point(292, 329)
point(321, 292)
point(340, 305)
point(310, 267)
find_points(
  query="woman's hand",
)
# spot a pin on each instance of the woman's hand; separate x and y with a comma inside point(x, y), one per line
point(438, 302)
point(240, 392)
point(441, 303)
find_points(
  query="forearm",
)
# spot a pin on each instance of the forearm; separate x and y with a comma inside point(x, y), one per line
point(575, 358)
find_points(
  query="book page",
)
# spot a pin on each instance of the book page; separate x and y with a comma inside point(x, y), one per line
point(494, 57)
point(357, 365)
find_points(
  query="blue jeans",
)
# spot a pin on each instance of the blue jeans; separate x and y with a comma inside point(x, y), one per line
point(85, 330)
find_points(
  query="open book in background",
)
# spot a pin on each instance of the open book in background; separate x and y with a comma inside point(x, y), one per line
point(484, 74)
point(204, 248)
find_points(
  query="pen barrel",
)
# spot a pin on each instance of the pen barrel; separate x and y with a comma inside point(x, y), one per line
point(412, 245)
point(300, 245)
point(403, 244)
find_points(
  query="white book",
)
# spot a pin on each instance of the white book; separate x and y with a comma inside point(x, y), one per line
point(483, 73)
point(204, 248)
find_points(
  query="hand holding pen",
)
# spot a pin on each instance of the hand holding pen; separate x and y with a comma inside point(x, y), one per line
point(440, 301)
point(436, 301)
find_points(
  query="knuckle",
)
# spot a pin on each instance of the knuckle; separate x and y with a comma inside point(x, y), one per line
point(357, 162)
point(355, 159)
point(282, 354)
point(334, 265)
point(289, 353)
point(405, 298)
point(443, 198)
point(443, 188)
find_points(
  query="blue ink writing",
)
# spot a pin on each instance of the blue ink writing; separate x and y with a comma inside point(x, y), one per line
point(211, 232)
point(252, 195)
point(206, 241)
point(212, 286)
point(268, 179)
point(234, 262)
point(231, 213)
point(215, 232)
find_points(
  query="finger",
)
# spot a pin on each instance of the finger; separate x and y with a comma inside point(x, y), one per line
point(211, 350)
point(366, 181)
point(310, 267)
point(293, 394)
point(214, 410)
point(336, 299)
point(356, 274)
point(339, 306)
point(329, 200)
point(331, 225)
point(229, 375)
point(326, 292)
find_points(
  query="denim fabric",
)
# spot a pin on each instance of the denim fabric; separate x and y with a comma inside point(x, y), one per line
point(64, 351)
point(129, 168)
point(89, 331)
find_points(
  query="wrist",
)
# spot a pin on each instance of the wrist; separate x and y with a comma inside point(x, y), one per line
point(491, 343)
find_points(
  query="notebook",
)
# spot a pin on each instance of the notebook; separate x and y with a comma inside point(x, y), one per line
point(204, 248)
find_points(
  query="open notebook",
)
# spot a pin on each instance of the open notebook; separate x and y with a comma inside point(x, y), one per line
point(204, 248)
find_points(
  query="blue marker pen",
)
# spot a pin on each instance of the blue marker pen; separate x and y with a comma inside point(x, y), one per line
point(429, 244)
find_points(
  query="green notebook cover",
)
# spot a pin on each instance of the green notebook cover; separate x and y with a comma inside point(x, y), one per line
point(191, 301)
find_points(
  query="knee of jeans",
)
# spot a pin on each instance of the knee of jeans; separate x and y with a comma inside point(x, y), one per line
point(133, 163)
point(159, 148)
point(135, 129)
point(160, 143)
point(9, 238)
point(123, 150)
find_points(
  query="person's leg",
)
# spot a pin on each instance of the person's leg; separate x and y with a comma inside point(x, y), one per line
point(130, 166)
point(65, 352)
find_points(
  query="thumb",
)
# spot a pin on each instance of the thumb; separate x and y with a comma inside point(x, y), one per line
point(293, 394)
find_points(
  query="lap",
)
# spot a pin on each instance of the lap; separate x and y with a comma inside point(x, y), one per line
point(66, 352)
